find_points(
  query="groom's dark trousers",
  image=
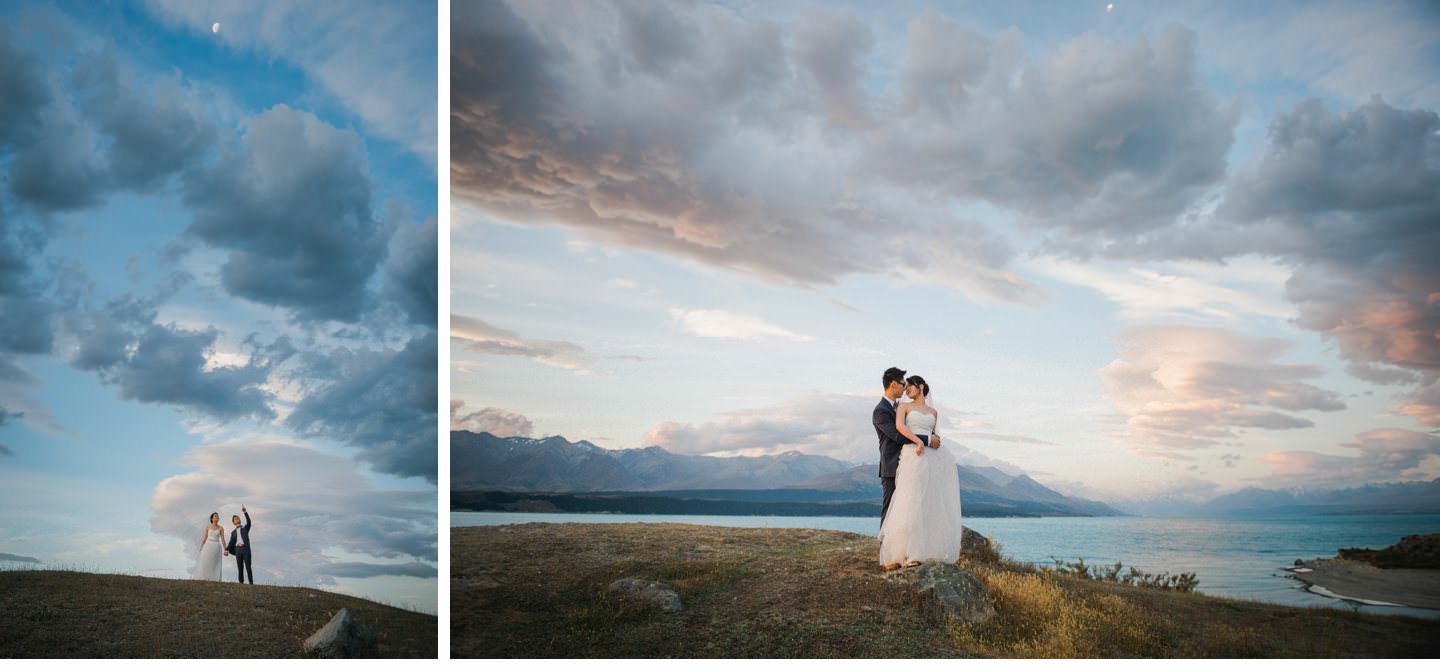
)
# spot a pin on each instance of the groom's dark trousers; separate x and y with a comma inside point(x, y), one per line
point(242, 564)
point(890, 443)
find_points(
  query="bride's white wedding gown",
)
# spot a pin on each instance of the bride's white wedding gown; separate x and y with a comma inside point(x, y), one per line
point(208, 567)
point(923, 523)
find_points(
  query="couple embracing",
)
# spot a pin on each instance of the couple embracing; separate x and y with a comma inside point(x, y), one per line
point(920, 515)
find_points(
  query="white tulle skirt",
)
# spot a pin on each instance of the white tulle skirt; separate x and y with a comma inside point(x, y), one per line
point(923, 523)
point(208, 567)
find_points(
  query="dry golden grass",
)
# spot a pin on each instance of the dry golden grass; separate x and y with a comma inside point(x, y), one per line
point(58, 614)
point(539, 590)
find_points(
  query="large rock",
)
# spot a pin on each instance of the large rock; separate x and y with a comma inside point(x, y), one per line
point(343, 637)
point(953, 593)
point(647, 591)
point(972, 542)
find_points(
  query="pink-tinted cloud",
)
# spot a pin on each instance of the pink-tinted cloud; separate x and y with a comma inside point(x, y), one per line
point(493, 420)
point(1186, 387)
point(1384, 455)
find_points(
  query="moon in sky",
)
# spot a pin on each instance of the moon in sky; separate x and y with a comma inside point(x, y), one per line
point(216, 28)
point(1108, 8)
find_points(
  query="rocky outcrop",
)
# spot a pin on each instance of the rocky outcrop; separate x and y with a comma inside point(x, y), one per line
point(343, 637)
point(973, 543)
point(647, 592)
point(948, 591)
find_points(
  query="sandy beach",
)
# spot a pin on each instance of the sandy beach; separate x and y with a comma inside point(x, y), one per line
point(1351, 580)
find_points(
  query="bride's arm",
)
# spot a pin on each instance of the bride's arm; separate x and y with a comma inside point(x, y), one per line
point(905, 430)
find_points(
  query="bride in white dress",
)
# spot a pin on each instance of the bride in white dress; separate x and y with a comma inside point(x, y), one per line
point(208, 567)
point(923, 523)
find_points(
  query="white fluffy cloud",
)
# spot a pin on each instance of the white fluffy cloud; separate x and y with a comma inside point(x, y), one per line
point(313, 513)
point(730, 325)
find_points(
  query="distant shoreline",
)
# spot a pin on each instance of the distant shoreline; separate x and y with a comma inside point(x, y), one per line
point(1368, 585)
point(740, 502)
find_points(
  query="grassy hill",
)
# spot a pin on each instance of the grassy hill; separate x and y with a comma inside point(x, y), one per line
point(539, 590)
point(79, 614)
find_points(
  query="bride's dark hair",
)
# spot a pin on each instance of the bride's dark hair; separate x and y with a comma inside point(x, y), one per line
point(920, 381)
point(214, 517)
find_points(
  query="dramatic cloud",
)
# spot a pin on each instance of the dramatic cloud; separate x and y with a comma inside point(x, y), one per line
point(1385, 455)
point(411, 275)
point(291, 205)
point(1139, 141)
point(1184, 387)
point(167, 364)
point(730, 325)
point(1353, 198)
point(493, 420)
point(383, 402)
point(476, 335)
point(366, 54)
point(724, 151)
point(306, 506)
point(96, 128)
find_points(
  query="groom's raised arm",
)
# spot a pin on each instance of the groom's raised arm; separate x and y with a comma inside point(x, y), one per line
point(247, 518)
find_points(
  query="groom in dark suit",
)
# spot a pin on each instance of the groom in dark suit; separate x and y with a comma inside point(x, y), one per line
point(240, 546)
point(890, 438)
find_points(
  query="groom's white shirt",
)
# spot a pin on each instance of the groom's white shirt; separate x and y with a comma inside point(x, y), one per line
point(239, 537)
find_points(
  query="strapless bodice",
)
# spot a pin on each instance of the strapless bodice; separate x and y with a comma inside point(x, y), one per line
point(920, 423)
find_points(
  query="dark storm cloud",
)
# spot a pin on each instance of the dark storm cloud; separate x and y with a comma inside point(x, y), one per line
point(151, 134)
point(80, 135)
point(383, 403)
point(729, 154)
point(22, 81)
point(291, 203)
point(168, 364)
point(411, 275)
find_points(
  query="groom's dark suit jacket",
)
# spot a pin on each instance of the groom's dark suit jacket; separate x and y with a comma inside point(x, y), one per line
point(890, 439)
point(243, 531)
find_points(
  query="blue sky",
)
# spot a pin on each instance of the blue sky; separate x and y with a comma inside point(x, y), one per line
point(1165, 250)
point(218, 278)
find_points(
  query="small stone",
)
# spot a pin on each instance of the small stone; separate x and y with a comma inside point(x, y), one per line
point(648, 591)
point(343, 637)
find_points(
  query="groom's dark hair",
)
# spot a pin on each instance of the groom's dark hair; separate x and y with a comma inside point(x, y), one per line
point(892, 375)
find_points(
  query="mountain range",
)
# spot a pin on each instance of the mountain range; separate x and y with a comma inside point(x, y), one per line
point(1392, 498)
point(554, 465)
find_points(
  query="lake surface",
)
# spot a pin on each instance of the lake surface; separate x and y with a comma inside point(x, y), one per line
point(1233, 558)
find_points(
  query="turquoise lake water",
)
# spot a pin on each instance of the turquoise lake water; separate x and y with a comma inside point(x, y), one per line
point(1233, 558)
